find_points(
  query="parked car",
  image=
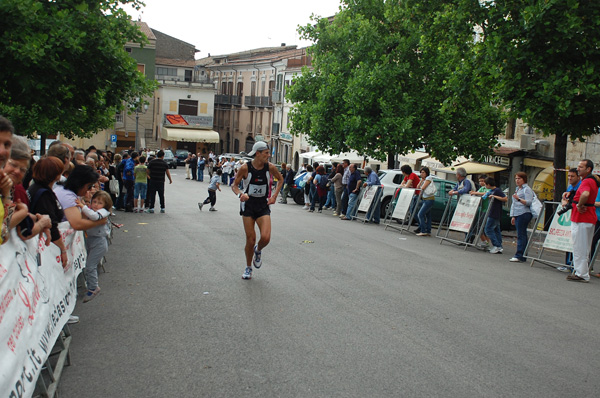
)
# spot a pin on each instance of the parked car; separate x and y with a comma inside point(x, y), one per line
point(170, 159)
point(391, 180)
point(181, 155)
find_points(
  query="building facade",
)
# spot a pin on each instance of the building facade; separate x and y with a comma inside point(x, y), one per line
point(249, 103)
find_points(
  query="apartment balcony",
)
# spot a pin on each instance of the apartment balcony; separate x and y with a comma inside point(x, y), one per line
point(254, 101)
point(226, 99)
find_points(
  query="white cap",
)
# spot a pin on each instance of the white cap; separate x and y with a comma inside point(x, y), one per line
point(258, 146)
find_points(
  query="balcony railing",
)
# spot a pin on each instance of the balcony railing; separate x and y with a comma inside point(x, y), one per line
point(258, 101)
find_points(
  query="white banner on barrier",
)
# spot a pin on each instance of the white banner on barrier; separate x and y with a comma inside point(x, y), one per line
point(36, 298)
point(403, 204)
point(367, 198)
point(559, 234)
point(465, 212)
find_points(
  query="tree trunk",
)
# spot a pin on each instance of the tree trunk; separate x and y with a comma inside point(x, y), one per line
point(391, 161)
point(560, 164)
point(42, 144)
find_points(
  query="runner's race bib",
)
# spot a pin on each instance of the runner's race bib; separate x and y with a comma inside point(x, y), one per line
point(257, 190)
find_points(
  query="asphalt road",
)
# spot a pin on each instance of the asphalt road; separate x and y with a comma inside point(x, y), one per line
point(357, 312)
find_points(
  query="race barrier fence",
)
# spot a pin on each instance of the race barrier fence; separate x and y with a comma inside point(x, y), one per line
point(468, 217)
point(402, 210)
point(368, 199)
point(555, 235)
point(36, 298)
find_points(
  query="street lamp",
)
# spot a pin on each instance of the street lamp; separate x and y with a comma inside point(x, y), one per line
point(137, 121)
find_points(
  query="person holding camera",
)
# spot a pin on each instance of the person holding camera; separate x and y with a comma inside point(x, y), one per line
point(568, 196)
point(583, 221)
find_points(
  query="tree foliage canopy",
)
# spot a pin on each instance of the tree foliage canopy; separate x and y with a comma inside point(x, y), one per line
point(391, 77)
point(545, 60)
point(64, 65)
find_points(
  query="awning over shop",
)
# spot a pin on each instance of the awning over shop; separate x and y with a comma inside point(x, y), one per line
point(474, 168)
point(190, 135)
point(542, 164)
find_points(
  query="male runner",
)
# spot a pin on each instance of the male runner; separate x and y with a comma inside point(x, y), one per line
point(255, 200)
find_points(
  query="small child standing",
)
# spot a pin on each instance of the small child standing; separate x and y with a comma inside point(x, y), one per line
point(140, 188)
point(212, 191)
point(96, 242)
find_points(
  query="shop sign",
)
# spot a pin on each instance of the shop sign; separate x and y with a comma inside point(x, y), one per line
point(499, 160)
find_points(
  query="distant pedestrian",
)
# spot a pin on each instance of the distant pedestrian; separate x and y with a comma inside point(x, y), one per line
point(492, 226)
point(213, 186)
point(520, 211)
point(157, 169)
point(194, 167)
point(141, 185)
point(201, 166)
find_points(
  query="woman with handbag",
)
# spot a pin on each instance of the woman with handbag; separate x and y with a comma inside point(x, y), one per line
point(520, 211)
point(428, 191)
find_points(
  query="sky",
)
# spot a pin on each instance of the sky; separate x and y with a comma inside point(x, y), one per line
point(226, 26)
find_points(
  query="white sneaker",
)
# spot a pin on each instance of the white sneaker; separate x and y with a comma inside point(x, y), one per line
point(73, 319)
point(515, 260)
point(212, 209)
point(305, 207)
point(200, 205)
point(496, 250)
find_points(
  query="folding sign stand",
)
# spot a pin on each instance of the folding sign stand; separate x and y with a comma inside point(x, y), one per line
point(399, 215)
point(464, 219)
point(369, 198)
point(557, 237)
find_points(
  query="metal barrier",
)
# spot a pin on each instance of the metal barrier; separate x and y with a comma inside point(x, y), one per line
point(468, 217)
point(552, 234)
point(402, 210)
point(366, 202)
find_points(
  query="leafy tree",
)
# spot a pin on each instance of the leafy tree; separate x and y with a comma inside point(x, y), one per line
point(64, 66)
point(546, 67)
point(390, 77)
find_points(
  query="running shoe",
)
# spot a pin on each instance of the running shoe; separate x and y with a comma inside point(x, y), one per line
point(90, 294)
point(200, 204)
point(212, 209)
point(247, 273)
point(162, 210)
point(73, 319)
point(257, 261)
point(149, 210)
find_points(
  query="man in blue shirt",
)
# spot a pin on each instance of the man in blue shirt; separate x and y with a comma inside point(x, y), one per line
point(463, 186)
point(373, 180)
point(353, 189)
point(129, 181)
point(201, 164)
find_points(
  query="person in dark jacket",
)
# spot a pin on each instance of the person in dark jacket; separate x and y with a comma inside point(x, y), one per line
point(288, 182)
point(46, 172)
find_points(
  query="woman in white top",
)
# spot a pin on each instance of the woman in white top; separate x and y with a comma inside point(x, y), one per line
point(428, 191)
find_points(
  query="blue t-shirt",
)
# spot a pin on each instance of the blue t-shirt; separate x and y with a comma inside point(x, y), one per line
point(214, 181)
point(598, 208)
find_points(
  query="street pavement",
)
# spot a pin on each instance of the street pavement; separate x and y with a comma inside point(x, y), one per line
point(338, 309)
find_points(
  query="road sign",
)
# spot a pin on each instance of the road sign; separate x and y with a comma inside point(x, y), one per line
point(113, 138)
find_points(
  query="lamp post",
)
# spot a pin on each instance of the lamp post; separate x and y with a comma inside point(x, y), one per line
point(138, 110)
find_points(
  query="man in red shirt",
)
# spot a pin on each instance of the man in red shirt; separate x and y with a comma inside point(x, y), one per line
point(583, 221)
